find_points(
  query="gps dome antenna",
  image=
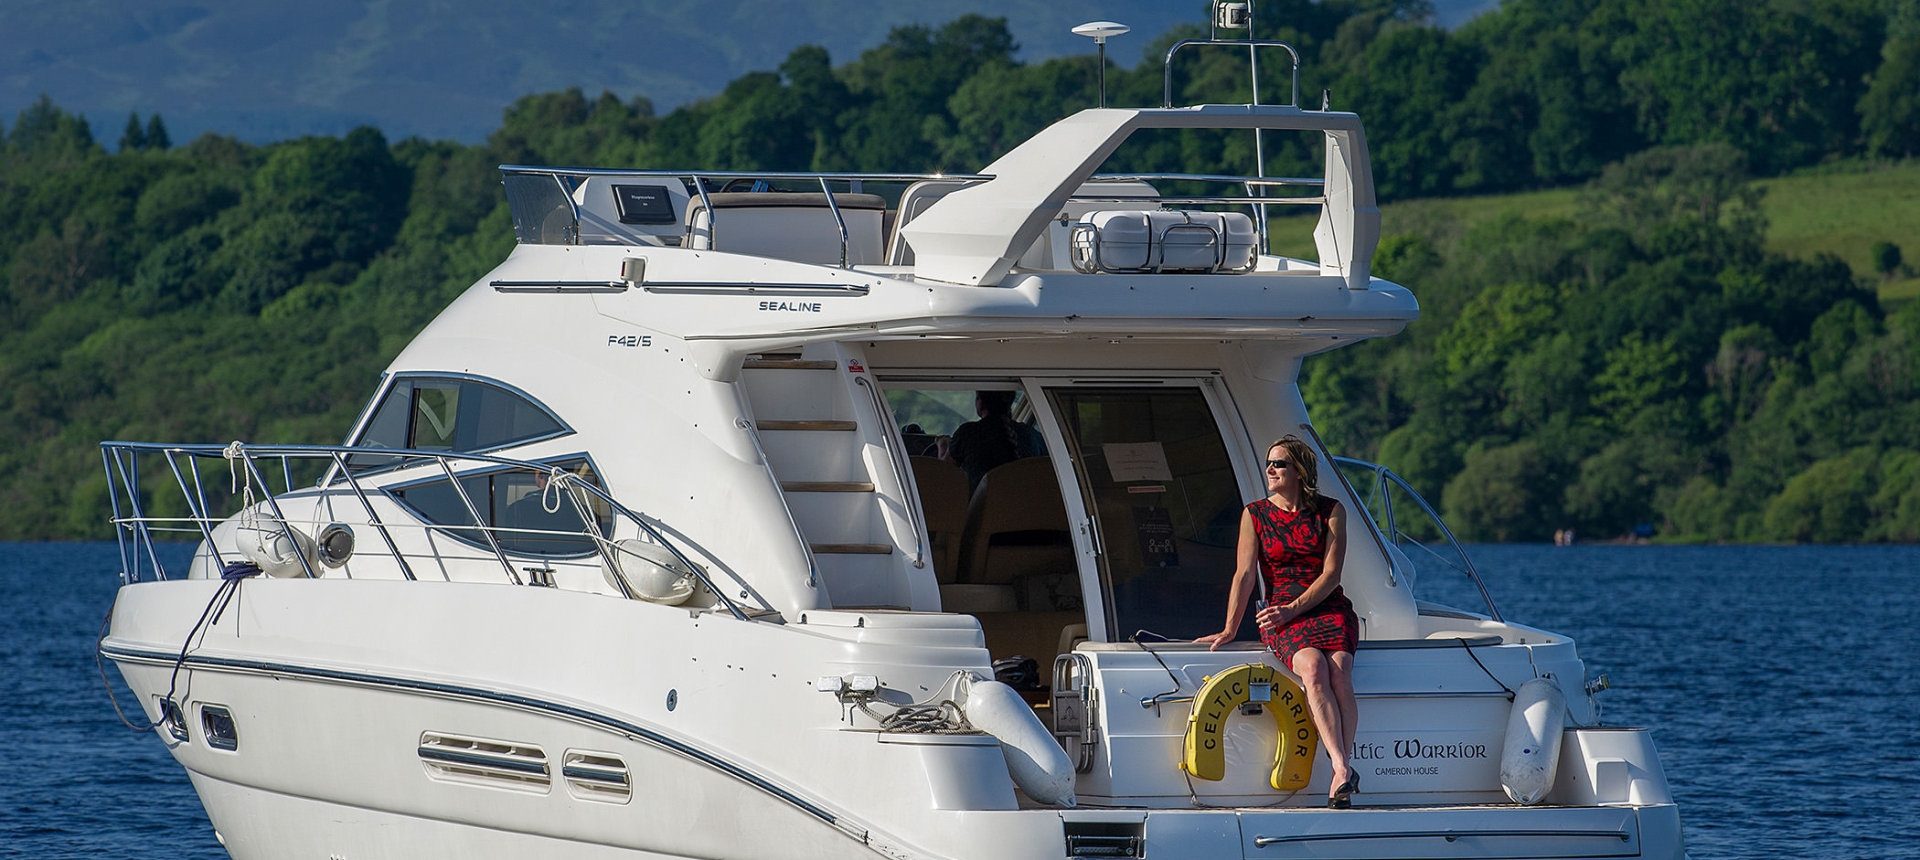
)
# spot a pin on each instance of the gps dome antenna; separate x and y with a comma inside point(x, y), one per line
point(1100, 32)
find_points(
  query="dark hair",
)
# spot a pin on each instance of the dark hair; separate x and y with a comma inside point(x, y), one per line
point(1307, 466)
point(999, 405)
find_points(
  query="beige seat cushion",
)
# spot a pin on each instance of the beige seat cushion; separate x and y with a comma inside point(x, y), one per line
point(943, 499)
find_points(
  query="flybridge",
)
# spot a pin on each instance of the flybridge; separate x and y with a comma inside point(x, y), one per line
point(1042, 207)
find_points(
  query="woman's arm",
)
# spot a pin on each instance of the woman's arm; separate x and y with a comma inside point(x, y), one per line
point(1326, 582)
point(1244, 573)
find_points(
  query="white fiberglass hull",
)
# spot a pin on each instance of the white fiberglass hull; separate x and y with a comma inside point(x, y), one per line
point(346, 695)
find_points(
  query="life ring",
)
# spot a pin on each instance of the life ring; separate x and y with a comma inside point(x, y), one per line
point(1221, 695)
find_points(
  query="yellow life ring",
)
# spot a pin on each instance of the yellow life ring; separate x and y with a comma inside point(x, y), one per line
point(1223, 694)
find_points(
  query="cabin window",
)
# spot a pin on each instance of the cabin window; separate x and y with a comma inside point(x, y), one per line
point(526, 515)
point(453, 415)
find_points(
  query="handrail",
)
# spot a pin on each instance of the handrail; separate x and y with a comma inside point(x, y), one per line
point(1449, 835)
point(806, 548)
point(900, 468)
point(1372, 527)
point(1166, 98)
point(1203, 200)
point(1383, 475)
point(530, 169)
point(838, 220)
point(140, 525)
point(700, 179)
point(1208, 177)
point(373, 517)
point(473, 510)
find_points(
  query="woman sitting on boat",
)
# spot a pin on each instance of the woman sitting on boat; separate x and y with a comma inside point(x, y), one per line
point(1292, 543)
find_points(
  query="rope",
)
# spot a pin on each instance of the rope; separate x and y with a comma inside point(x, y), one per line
point(230, 578)
point(941, 718)
point(100, 663)
point(1135, 639)
point(235, 452)
point(939, 714)
point(1483, 668)
point(556, 479)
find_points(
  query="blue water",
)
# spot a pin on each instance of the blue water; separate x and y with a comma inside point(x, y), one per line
point(1781, 682)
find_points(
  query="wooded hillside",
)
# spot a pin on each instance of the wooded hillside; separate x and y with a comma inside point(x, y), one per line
point(1642, 362)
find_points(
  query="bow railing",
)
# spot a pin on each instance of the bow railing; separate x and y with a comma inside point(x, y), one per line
point(143, 518)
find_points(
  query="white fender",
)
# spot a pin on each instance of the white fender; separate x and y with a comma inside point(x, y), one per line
point(1035, 760)
point(265, 544)
point(1532, 751)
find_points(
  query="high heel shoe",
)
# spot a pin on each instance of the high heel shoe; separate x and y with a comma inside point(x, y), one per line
point(1342, 797)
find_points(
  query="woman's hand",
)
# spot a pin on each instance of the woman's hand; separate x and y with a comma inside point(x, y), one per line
point(1216, 640)
point(1276, 616)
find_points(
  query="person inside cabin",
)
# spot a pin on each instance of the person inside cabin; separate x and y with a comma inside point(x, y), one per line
point(1291, 546)
point(995, 439)
point(528, 521)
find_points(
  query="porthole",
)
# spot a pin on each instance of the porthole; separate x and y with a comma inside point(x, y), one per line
point(216, 723)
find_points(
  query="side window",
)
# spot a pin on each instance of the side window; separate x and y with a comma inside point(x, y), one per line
point(526, 515)
point(451, 415)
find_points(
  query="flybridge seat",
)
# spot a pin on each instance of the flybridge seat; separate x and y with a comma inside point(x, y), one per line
point(798, 226)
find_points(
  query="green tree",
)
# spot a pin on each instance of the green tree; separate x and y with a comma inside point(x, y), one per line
point(1886, 258)
point(156, 134)
point(1890, 109)
point(135, 137)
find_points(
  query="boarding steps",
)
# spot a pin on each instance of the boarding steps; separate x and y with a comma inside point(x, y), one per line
point(804, 413)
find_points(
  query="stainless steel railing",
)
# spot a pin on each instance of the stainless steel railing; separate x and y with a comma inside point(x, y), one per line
point(137, 521)
point(1378, 500)
point(566, 179)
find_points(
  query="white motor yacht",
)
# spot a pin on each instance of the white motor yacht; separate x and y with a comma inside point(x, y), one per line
point(634, 552)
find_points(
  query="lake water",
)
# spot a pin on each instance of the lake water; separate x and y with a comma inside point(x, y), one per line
point(1781, 682)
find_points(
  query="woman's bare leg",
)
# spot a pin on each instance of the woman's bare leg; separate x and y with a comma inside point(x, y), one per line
point(1341, 676)
point(1316, 676)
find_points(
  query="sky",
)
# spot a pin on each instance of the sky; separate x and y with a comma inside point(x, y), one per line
point(265, 70)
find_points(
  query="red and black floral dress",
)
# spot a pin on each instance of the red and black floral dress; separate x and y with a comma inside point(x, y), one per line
point(1293, 551)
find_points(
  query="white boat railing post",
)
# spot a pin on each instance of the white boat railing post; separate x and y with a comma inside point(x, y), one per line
point(119, 530)
point(472, 511)
point(198, 511)
point(838, 220)
point(373, 517)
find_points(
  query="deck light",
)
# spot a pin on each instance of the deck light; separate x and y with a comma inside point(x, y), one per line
point(1100, 32)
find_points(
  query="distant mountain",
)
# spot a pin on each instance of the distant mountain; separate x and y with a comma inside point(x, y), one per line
point(271, 70)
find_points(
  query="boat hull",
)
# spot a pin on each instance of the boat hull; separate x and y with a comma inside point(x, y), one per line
point(400, 719)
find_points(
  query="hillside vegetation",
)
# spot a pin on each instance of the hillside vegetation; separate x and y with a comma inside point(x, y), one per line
point(1674, 333)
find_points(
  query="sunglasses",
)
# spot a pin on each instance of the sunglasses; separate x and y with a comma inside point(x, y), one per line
point(1278, 464)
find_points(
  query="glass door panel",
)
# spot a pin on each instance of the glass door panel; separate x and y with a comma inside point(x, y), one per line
point(1161, 489)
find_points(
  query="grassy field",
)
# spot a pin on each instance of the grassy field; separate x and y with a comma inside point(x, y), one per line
point(1840, 209)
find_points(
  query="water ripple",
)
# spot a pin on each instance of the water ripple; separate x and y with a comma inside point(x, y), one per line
point(1780, 682)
